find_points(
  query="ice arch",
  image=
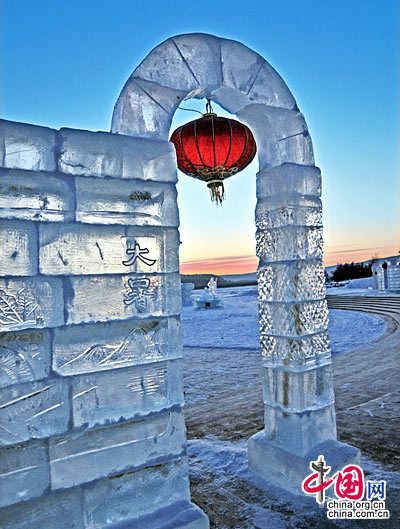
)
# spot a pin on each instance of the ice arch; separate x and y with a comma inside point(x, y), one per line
point(297, 382)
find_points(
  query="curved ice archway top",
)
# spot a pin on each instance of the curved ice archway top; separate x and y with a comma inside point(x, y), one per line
point(231, 74)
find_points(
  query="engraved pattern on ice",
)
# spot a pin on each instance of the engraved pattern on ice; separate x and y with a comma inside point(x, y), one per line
point(289, 243)
point(101, 398)
point(24, 356)
point(30, 303)
point(293, 319)
point(33, 410)
point(106, 298)
point(89, 348)
point(81, 250)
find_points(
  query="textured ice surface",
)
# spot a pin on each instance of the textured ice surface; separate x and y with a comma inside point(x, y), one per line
point(248, 78)
point(289, 178)
point(106, 298)
point(33, 410)
point(24, 146)
point(185, 62)
point(289, 243)
point(102, 154)
point(126, 202)
point(24, 472)
point(145, 109)
point(135, 494)
point(293, 319)
point(303, 350)
point(24, 356)
point(86, 456)
point(298, 391)
point(112, 396)
point(35, 196)
point(281, 135)
point(84, 250)
point(99, 347)
point(62, 510)
point(293, 281)
point(271, 213)
point(298, 432)
point(18, 243)
point(33, 302)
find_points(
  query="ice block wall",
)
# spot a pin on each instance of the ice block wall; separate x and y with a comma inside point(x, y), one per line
point(91, 425)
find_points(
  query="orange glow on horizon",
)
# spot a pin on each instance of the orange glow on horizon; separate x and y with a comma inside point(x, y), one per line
point(244, 264)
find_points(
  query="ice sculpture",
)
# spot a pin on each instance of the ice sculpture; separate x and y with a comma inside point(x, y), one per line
point(209, 298)
point(91, 393)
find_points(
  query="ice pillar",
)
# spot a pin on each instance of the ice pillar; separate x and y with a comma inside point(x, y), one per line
point(296, 359)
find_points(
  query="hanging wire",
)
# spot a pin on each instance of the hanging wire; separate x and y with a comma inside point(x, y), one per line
point(190, 110)
point(209, 109)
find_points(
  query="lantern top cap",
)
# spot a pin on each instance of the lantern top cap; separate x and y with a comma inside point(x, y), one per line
point(206, 114)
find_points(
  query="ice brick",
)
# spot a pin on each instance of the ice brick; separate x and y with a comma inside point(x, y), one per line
point(24, 356)
point(106, 298)
point(126, 202)
point(18, 243)
point(298, 432)
point(293, 281)
point(271, 213)
point(295, 351)
point(33, 410)
point(247, 79)
point(298, 391)
point(289, 243)
point(24, 473)
point(293, 319)
point(31, 302)
point(289, 178)
point(83, 249)
point(185, 62)
point(35, 196)
point(54, 511)
point(24, 146)
point(135, 494)
point(281, 135)
point(145, 109)
point(270, 89)
point(104, 346)
point(89, 455)
point(103, 154)
point(112, 396)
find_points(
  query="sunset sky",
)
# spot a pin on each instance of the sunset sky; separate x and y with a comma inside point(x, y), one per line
point(64, 63)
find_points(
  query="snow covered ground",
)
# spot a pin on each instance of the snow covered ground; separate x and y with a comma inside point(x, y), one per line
point(357, 287)
point(218, 469)
point(235, 325)
point(216, 372)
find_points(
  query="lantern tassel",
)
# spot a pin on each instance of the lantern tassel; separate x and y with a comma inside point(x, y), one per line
point(217, 191)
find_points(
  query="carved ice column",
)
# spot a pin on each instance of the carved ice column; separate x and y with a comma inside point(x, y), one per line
point(296, 360)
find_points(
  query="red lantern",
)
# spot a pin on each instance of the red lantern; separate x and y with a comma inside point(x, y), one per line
point(212, 149)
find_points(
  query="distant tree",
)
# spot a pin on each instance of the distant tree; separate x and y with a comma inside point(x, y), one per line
point(347, 271)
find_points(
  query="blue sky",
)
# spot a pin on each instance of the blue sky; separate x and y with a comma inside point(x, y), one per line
point(63, 63)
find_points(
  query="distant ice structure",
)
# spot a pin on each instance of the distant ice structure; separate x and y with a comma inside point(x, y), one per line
point(209, 298)
point(187, 292)
point(386, 273)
